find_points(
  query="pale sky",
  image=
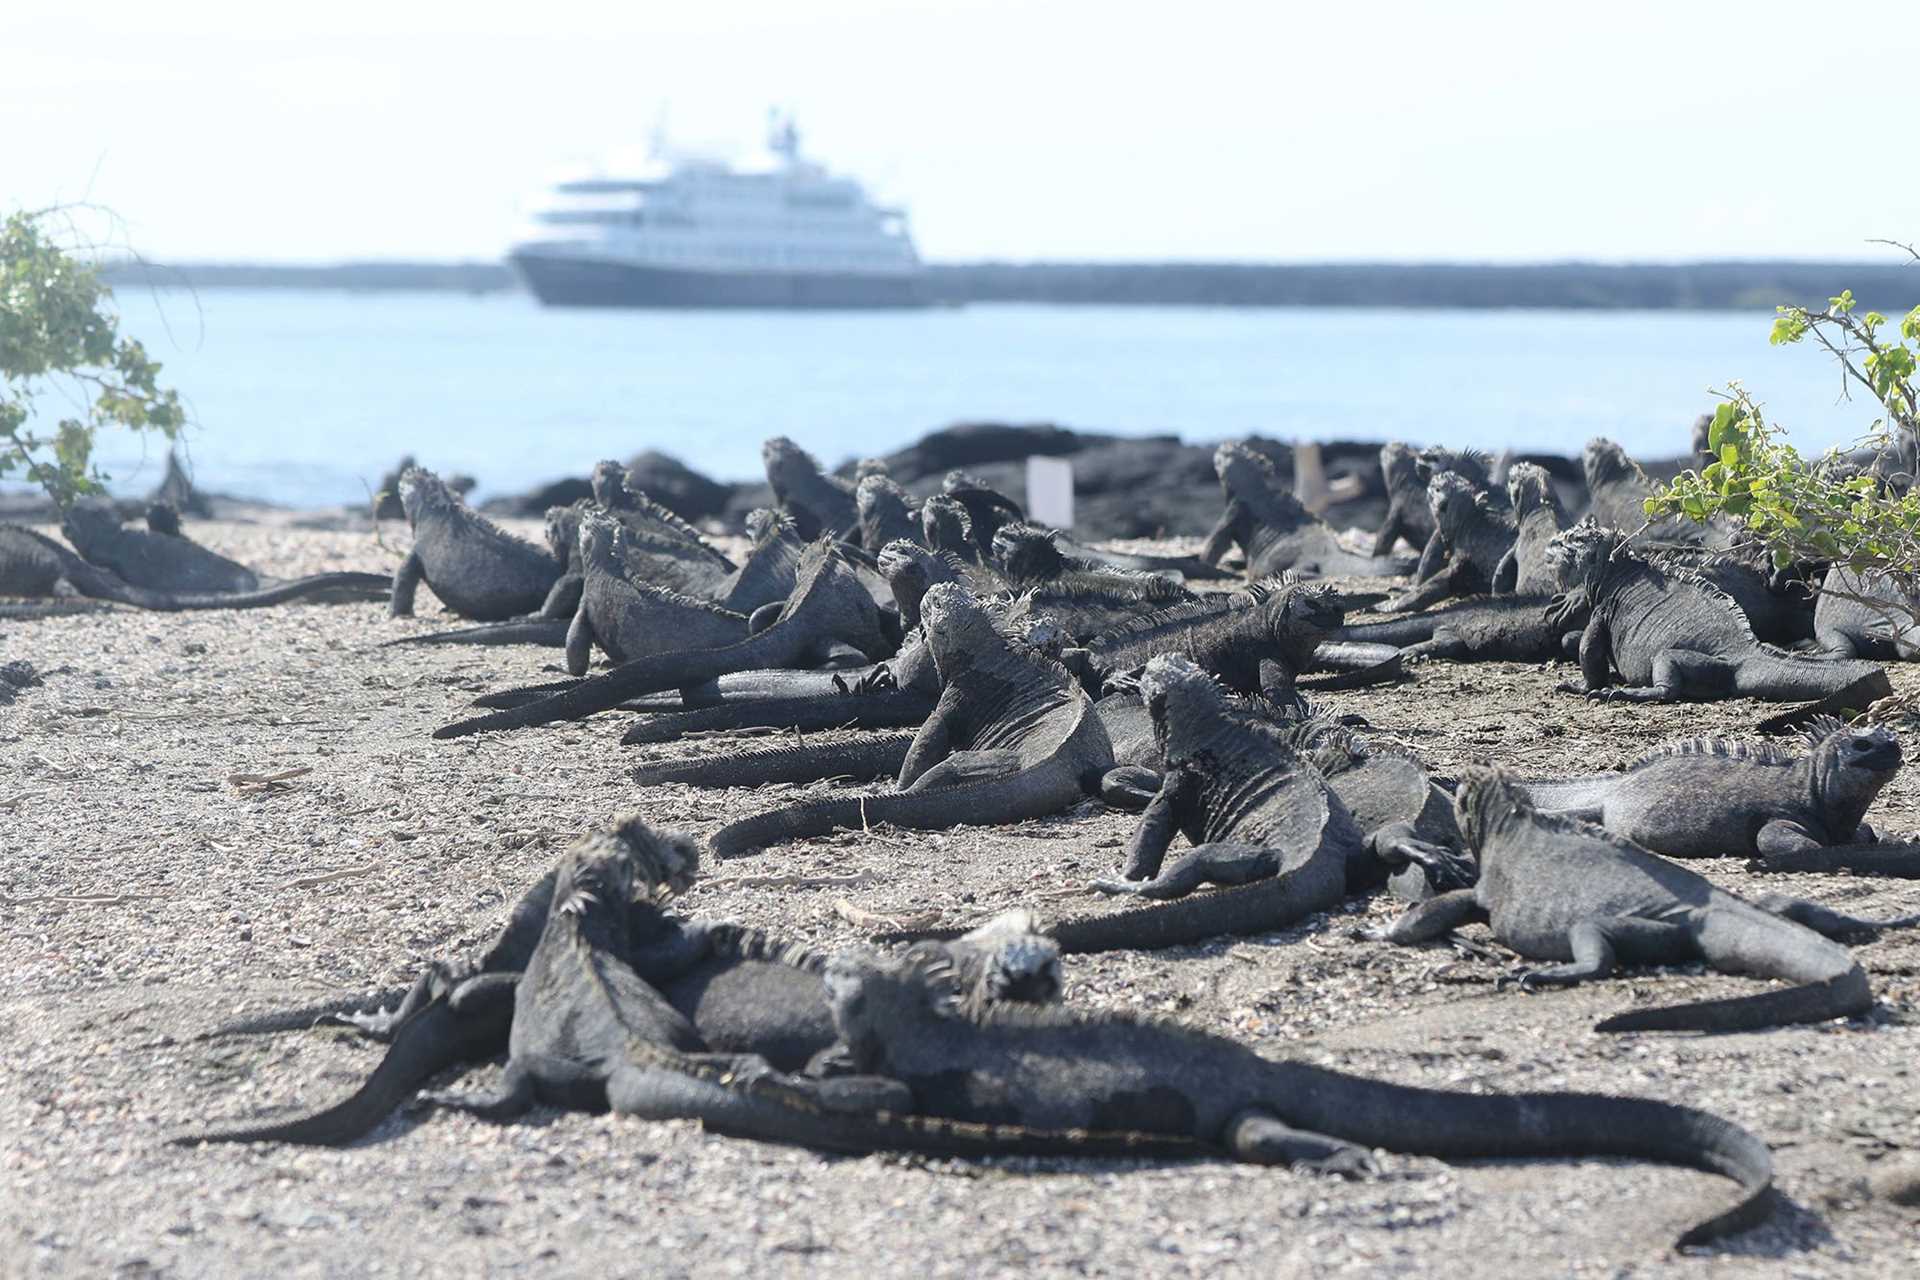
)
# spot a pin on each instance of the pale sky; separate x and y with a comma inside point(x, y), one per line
point(1190, 129)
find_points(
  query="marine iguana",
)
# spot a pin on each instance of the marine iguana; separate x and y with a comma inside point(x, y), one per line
point(1710, 797)
point(1274, 531)
point(884, 513)
point(1671, 635)
point(1260, 644)
point(1475, 541)
point(946, 527)
point(817, 503)
point(629, 619)
point(1538, 518)
point(1012, 737)
point(1031, 557)
point(1510, 628)
point(477, 569)
point(828, 604)
point(742, 989)
point(1859, 615)
point(1408, 517)
point(163, 560)
point(32, 564)
point(772, 565)
point(1060, 1067)
point(987, 508)
point(1617, 490)
point(589, 1033)
point(1557, 888)
point(674, 554)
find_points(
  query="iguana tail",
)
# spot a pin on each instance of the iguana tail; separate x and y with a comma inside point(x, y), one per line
point(781, 645)
point(1033, 792)
point(868, 758)
point(1260, 907)
point(540, 631)
point(427, 1043)
point(1452, 1125)
point(891, 709)
point(1779, 676)
point(1836, 997)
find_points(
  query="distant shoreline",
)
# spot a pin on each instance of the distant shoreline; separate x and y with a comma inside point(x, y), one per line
point(1690, 286)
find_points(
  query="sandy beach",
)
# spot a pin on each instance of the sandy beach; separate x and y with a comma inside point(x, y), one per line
point(152, 891)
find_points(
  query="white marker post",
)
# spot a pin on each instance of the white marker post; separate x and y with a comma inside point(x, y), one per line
point(1050, 491)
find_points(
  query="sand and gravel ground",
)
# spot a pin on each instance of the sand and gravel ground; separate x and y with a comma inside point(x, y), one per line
point(148, 896)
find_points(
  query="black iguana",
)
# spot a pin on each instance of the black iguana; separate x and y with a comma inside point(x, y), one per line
point(1714, 798)
point(1274, 531)
point(1858, 615)
point(1538, 518)
point(1259, 642)
point(628, 619)
point(1011, 737)
point(1557, 888)
point(1476, 541)
point(816, 502)
point(477, 569)
point(34, 565)
point(1670, 635)
point(1060, 1067)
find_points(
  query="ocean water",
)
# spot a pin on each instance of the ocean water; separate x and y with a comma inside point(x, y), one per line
point(306, 397)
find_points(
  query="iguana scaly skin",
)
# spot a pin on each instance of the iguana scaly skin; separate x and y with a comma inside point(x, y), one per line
point(1861, 616)
point(1538, 518)
point(1274, 531)
point(1475, 540)
point(1408, 517)
point(1617, 490)
point(1556, 888)
point(477, 569)
point(772, 565)
point(628, 619)
point(683, 559)
point(1670, 635)
point(32, 564)
point(1714, 798)
point(1509, 628)
point(885, 513)
point(946, 528)
point(1012, 737)
point(828, 604)
point(988, 510)
point(818, 504)
point(1260, 643)
point(588, 1033)
point(1064, 1068)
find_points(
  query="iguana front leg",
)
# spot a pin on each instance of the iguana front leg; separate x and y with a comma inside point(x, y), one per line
point(562, 598)
point(1506, 574)
point(1226, 862)
point(1596, 661)
point(1391, 529)
point(1395, 847)
point(511, 1100)
point(405, 583)
point(579, 643)
point(934, 740)
point(1220, 538)
point(1597, 943)
point(1165, 814)
point(1260, 1137)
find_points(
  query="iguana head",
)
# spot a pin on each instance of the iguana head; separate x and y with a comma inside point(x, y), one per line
point(1454, 502)
point(871, 467)
point(1849, 767)
point(959, 632)
point(627, 862)
point(1437, 459)
point(1025, 552)
point(764, 525)
point(1176, 693)
point(946, 525)
point(1485, 801)
point(602, 542)
point(786, 462)
point(1298, 614)
point(421, 492)
point(163, 518)
point(1604, 462)
point(1005, 959)
point(609, 482)
point(563, 530)
point(876, 494)
point(1530, 489)
point(1579, 556)
point(1399, 464)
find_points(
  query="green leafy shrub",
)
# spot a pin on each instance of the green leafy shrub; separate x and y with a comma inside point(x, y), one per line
point(60, 345)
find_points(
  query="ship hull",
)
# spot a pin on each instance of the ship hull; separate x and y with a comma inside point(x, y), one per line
point(582, 282)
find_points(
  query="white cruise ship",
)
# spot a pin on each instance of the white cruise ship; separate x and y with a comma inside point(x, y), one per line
point(778, 231)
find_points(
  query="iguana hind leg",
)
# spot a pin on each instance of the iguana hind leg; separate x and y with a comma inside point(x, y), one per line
point(963, 767)
point(1129, 787)
point(1826, 921)
point(1260, 1137)
point(509, 1102)
point(1597, 943)
point(1434, 918)
point(1226, 862)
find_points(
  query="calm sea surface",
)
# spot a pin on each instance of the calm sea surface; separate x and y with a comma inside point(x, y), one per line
point(306, 397)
